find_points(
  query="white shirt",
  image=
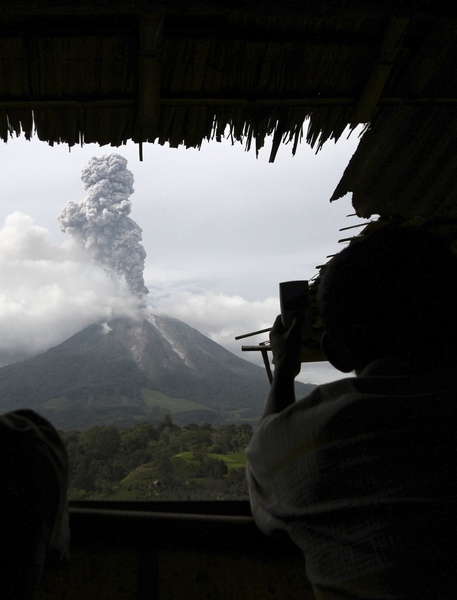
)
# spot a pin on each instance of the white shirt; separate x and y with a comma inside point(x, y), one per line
point(362, 476)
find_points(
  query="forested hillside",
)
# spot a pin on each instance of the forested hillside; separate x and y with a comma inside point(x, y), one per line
point(162, 462)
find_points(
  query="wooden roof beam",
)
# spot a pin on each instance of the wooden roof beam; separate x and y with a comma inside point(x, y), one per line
point(82, 103)
point(149, 77)
point(438, 10)
point(380, 72)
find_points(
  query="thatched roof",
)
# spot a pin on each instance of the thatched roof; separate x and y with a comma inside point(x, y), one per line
point(181, 71)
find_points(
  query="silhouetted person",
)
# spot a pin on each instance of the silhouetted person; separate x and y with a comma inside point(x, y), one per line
point(362, 473)
point(33, 509)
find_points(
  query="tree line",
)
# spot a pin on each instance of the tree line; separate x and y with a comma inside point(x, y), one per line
point(158, 462)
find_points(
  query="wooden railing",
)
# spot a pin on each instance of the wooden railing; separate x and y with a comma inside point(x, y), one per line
point(149, 551)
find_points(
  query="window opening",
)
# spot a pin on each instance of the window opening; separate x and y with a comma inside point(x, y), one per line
point(163, 410)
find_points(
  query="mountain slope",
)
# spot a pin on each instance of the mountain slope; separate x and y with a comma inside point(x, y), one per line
point(126, 371)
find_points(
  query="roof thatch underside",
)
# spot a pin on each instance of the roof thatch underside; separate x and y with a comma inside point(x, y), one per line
point(181, 72)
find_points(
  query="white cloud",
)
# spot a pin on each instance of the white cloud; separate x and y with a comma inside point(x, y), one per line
point(49, 291)
point(222, 318)
point(219, 316)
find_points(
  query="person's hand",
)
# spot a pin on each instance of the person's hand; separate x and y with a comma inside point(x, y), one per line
point(286, 346)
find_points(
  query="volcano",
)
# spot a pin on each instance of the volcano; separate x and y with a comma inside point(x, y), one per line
point(127, 371)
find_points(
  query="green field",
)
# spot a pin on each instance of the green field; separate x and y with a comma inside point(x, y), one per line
point(171, 405)
point(233, 461)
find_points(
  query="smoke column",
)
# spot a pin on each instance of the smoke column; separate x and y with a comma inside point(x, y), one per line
point(102, 223)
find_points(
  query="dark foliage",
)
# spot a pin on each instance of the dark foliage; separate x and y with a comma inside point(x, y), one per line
point(162, 462)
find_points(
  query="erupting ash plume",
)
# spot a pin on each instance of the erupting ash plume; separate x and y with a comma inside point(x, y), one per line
point(101, 221)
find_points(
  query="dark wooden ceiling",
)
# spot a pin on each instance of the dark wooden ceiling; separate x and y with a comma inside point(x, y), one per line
point(181, 72)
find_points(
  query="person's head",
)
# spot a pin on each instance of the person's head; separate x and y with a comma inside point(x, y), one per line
point(388, 292)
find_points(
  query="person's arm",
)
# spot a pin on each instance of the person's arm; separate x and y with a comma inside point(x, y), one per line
point(286, 347)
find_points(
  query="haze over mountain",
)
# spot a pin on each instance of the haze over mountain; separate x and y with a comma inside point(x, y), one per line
point(126, 371)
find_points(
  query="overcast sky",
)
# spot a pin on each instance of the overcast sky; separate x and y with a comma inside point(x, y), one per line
point(221, 228)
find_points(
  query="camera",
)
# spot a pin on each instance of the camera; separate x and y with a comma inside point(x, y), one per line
point(294, 302)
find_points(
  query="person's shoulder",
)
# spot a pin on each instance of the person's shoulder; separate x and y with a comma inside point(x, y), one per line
point(327, 392)
point(317, 407)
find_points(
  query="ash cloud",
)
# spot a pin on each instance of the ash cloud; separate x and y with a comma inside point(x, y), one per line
point(102, 224)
